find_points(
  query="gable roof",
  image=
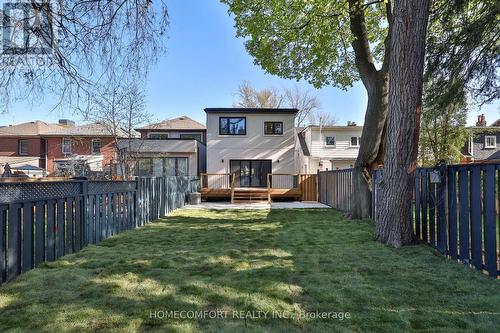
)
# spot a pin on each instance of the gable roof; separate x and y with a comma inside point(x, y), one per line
point(94, 129)
point(179, 123)
point(251, 110)
point(32, 128)
point(496, 123)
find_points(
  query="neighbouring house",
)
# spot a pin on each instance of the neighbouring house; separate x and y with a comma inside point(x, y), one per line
point(174, 147)
point(483, 143)
point(250, 143)
point(323, 148)
point(59, 149)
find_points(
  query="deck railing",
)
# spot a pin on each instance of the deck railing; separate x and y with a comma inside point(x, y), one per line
point(215, 180)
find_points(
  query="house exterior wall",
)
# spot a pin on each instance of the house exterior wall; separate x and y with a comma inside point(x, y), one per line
point(479, 152)
point(173, 134)
point(80, 146)
point(10, 146)
point(254, 145)
point(323, 157)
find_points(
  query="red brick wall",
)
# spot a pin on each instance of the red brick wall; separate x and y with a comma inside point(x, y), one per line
point(10, 146)
point(80, 146)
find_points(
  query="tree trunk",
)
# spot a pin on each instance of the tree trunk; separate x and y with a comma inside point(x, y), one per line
point(394, 220)
point(371, 149)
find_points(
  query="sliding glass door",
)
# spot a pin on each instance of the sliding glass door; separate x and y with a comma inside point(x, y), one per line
point(251, 173)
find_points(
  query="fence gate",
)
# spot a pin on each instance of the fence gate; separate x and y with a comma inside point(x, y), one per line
point(309, 186)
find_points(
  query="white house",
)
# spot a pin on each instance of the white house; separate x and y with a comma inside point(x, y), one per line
point(328, 147)
point(251, 143)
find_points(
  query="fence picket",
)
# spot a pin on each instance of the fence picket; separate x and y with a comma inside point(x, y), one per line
point(490, 245)
point(28, 238)
point(476, 219)
point(452, 212)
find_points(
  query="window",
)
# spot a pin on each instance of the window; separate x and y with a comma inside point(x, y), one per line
point(190, 136)
point(355, 140)
point(490, 141)
point(176, 166)
point(232, 126)
point(273, 128)
point(23, 147)
point(66, 146)
point(158, 136)
point(330, 141)
point(96, 147)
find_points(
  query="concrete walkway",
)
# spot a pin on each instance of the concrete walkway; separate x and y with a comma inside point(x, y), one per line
point(259, 205)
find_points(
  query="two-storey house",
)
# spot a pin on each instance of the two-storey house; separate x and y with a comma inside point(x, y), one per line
point(250, 143)
point(56, 148)
point(483, 143)
point(174, 147)
point(328, 147)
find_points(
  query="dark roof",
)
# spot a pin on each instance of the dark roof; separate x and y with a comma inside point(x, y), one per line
point(251, 110)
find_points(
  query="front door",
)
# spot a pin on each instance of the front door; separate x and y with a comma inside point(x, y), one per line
point(251, 173)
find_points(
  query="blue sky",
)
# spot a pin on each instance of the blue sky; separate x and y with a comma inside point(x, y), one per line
point(203, 67)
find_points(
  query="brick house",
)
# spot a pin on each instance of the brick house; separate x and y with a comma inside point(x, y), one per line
point(52, 146)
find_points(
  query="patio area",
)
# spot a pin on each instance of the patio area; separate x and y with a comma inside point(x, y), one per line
point(258, 205)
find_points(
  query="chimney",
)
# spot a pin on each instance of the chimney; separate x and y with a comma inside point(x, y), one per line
point(66, 122)
point(481, 120)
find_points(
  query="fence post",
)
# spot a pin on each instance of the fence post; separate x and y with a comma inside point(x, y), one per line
point(441, 213)
point(85, 192)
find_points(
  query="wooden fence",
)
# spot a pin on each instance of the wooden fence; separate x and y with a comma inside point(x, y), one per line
point(335, 188)
point(455, 210)
point(41, 221)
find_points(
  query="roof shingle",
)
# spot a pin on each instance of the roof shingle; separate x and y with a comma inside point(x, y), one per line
point(179, 123)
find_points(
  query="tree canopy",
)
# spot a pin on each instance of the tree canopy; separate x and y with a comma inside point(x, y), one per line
point(308, 40)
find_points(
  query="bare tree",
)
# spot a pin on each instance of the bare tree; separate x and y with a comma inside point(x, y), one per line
point(249, 97)
point(119, 107)
point(81, 44)
point(322, 118)
point(303, 101)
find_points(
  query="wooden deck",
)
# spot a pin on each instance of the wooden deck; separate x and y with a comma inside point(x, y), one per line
point(301, 187)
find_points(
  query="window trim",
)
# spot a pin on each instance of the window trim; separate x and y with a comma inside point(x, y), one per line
point(358, 140)
point(486, 137)
point(191, 133)
point(176, 158)
point(19, 147)
point(70, 146)
point(158, 133)
point(334, 141)
point(229, 134)
point(92, 147)
point(274, 128)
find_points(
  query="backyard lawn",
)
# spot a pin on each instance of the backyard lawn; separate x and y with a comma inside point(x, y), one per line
point(294, 263)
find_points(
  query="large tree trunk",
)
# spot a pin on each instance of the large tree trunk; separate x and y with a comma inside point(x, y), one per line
point(394, 220)
point(371, 150)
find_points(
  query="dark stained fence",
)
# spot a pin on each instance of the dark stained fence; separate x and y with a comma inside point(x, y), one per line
point(41, 221)
point(335, 188)
point(456, 212)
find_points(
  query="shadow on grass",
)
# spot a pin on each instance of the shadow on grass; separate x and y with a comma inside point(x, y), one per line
point(278, 260)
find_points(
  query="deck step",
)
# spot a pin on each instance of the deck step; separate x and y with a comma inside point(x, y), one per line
point(252, 196)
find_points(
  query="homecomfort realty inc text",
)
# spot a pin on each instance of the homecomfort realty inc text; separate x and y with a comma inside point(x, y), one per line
point(222, 314)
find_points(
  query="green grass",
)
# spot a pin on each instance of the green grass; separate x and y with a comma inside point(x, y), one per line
point(281, 260)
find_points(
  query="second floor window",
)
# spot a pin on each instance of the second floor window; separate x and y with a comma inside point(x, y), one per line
point(330, 141)
point(66, 146)
point(355, 140)
point(490, 141)
point(191, 136)
point(273, 128)
point(96, 147)
point(158, 136)
point(232, 126)
point(23, 147)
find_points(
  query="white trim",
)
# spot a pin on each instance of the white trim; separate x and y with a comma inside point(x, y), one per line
point(486, 137)
point(70, 146)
